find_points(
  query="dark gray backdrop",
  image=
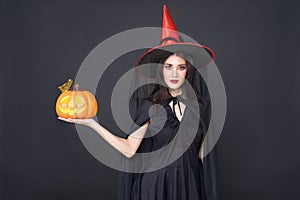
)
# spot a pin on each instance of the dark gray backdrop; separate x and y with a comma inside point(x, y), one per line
point(43, 43)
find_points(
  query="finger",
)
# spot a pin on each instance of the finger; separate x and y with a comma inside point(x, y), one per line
point(61, 118)
point(66, 119)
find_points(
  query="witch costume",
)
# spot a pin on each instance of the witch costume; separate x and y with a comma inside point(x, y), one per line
point(176, 172)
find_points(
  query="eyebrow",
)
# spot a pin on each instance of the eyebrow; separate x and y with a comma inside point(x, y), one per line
point(171, 64)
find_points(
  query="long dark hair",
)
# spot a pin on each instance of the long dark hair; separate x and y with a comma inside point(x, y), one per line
point(193, 77)
point(157, 93)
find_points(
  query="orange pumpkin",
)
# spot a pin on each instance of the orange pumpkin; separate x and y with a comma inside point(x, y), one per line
point(76, 104)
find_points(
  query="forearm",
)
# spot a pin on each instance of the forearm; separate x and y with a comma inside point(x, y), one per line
point(121, 144)
point(128, 146)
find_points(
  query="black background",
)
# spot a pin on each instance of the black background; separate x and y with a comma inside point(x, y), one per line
point(43, 43)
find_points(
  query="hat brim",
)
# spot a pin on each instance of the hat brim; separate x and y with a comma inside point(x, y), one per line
point(201, 55)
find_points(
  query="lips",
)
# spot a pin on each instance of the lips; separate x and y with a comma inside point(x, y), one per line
point(174, 81)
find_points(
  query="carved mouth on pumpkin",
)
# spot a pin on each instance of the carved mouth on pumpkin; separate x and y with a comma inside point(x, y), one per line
point(72, 107)
point(72, 111)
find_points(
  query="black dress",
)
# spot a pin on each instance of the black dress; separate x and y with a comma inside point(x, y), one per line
point(182, 179)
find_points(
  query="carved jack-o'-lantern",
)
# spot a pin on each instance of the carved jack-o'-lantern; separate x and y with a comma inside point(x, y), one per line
point(75, 103)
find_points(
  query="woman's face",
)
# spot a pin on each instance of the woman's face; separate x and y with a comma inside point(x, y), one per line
point(174, 72)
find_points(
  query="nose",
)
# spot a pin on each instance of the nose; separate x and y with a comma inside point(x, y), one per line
point(174, 72)
point(71, 105)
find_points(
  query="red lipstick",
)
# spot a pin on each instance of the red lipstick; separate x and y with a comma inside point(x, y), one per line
point(174, 81)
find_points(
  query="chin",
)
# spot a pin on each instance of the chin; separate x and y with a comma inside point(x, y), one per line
point(172, 87)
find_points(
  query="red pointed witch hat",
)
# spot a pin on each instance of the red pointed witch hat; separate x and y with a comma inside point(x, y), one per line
point(171, 42)
point(169, 34)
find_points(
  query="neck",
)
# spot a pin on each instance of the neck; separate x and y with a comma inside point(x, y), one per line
point(176, 92)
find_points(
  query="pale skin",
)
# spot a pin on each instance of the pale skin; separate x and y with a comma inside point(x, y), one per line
point(174, 73)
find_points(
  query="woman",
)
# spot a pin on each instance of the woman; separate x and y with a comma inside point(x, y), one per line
point(177, 126)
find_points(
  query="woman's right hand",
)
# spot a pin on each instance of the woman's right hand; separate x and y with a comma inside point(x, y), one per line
point(86, 122)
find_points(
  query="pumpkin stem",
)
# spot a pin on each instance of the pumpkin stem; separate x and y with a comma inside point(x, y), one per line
point(76, 87)
point(66, 86)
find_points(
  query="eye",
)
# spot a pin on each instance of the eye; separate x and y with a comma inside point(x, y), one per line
point(168, 67)
point(182, 67)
